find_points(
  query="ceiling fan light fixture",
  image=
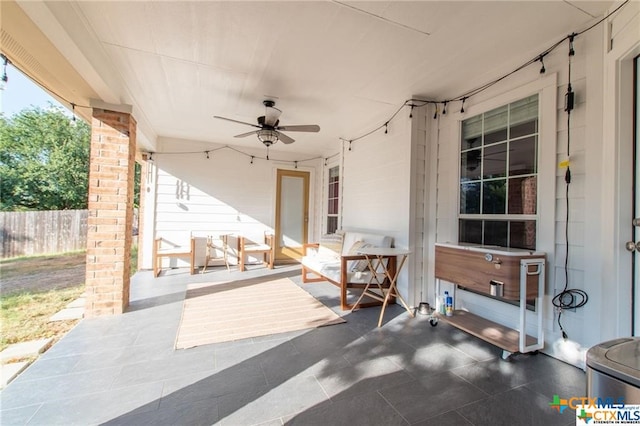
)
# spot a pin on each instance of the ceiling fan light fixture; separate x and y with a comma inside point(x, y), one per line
point(267, 137)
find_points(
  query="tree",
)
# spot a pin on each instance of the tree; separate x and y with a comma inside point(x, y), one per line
point(44, 161)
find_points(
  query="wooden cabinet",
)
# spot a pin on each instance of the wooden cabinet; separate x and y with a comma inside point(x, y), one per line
point(521, 274)
point(474, 267)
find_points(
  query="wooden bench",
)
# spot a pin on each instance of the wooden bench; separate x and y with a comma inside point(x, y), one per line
point(159, 252)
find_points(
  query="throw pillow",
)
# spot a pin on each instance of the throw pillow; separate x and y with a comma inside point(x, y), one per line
point(358, 265)
point(330, 245)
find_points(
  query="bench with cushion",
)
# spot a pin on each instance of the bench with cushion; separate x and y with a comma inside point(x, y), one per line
point(335, 259)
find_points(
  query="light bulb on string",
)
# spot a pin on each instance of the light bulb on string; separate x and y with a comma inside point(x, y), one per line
point(444, 108)
point(435, 114)
point(542, 69)
point(5, 79)
point(571, 51)
point(350, 145)
point(207, 154)
point(295, 164)
point(462, 107)
point(411, 112)
point(251, 160)
point(386, 128)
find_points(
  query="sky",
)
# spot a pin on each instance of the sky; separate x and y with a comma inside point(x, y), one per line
point(20, 93)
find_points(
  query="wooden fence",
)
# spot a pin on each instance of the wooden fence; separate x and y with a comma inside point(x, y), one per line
point(43, 232)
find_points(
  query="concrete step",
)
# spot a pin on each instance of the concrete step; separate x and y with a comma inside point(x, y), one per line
point(24, 350)
point(8, 372)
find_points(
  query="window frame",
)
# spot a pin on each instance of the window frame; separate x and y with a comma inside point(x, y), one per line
point(328, 198)
point(546, 88)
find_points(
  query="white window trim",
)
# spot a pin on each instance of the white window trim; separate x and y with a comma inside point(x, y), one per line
point(325, 200)
point(546, 87)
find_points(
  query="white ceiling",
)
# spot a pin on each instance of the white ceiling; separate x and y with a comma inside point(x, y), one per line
point(346, 66)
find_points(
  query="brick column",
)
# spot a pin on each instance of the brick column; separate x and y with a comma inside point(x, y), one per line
point(111, 178)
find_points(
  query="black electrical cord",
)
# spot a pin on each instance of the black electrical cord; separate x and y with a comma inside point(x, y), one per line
point(568, 298)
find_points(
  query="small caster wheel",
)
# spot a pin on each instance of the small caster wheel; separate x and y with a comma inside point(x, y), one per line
point(433, 322)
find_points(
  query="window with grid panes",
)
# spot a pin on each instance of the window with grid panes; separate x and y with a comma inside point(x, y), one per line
point(498, 176)
point(333, 197)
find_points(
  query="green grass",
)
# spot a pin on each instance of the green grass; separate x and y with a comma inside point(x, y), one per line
point(25, 316)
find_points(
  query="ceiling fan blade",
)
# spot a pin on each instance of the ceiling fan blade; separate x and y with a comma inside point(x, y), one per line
point(236, 121)
point(271, 116)
point(300, 128)
point(244, 135)
point(285, 139)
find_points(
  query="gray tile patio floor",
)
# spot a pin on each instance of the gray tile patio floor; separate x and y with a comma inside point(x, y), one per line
point(124, 370)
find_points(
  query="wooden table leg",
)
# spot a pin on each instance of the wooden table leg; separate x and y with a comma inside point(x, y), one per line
point(393, 290)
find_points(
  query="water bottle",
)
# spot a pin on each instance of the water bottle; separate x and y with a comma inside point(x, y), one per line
point(448, 301)
point(440, 306)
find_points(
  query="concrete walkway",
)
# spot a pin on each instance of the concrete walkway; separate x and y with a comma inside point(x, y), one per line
point(124, 370)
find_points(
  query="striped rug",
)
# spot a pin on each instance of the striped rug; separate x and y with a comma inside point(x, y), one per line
point(221, 312)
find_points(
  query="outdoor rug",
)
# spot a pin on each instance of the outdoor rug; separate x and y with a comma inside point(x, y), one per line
point(221, 312)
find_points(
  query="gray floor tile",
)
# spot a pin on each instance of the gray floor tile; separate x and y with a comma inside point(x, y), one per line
point(419, 400)
point(124, 369)
point(257, 406)
point(99, 407)
point(434, 359)
point(452, 418)
point(49, 367)
point(210, 385)
point(366, 410)
point(519, 406)
point(281, 368)
point(201, 412)
point(497, 376)
point(364, 377)
point(176, 364)
point(18, 416)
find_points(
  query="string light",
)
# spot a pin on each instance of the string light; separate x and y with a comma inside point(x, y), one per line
point(486, 86)
point(5, 78)
point(571, 51)
point(295, 164)
point(207, 154)
point(386, 127)
point(252, 159)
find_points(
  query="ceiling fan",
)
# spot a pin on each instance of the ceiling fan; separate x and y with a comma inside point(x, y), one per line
point(269, 128)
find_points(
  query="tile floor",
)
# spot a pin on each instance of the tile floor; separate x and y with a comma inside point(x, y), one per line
point(123, 370)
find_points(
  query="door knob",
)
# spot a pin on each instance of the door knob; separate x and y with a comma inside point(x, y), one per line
point(631, 246)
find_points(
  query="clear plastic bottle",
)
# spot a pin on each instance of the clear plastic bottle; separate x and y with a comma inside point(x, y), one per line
point(448, 301)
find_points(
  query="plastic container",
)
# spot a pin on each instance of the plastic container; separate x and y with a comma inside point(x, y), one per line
point(448, 302)
point(440, 307)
